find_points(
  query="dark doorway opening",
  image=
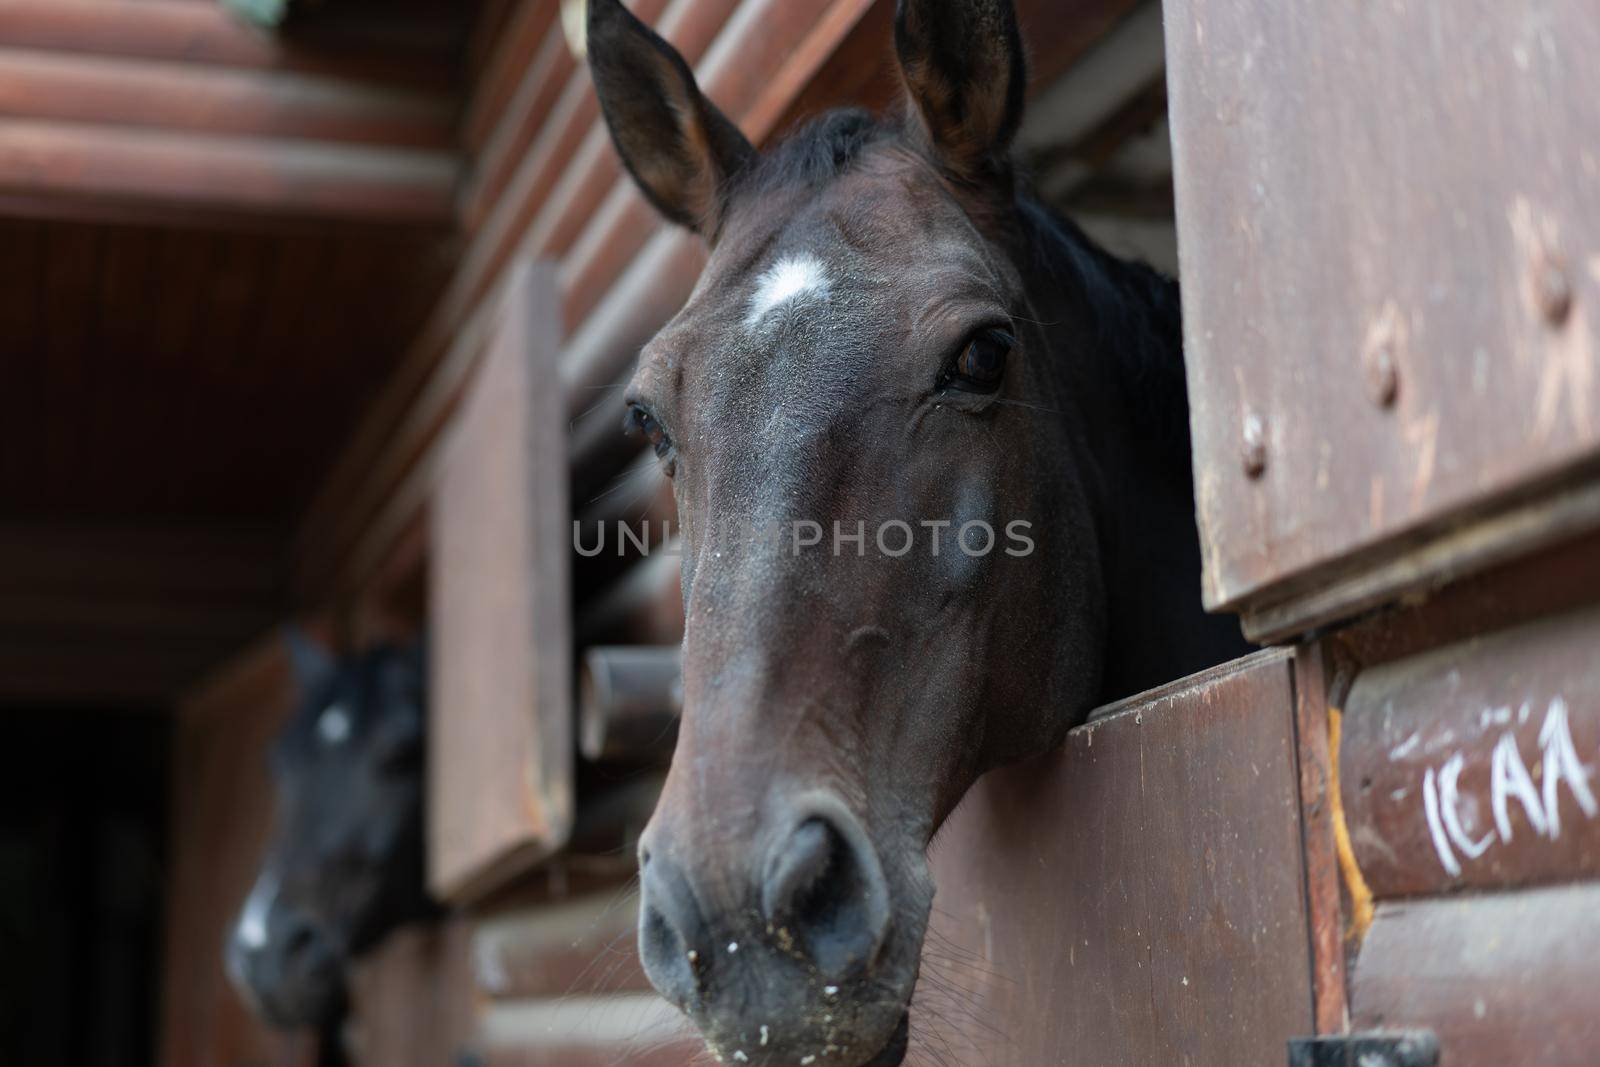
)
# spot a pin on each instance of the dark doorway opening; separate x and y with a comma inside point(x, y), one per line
point(83, 802)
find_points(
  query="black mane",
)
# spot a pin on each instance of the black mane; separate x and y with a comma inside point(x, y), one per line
point(1135, 317)
point(817, 151)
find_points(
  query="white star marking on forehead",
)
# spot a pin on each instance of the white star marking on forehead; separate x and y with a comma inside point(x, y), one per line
point(790, 279)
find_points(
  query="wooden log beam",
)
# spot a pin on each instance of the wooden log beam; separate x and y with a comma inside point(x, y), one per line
point(511, 55)
point(145, 94)
point(1484, 781)
point(628, 703)
point(68, 170)
point(183, 31)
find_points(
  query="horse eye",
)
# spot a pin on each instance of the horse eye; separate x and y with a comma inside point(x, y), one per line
point(982, 363)
point(640, 423)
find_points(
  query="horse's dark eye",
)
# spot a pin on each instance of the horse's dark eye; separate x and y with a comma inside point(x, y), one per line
point(641, 423)
point(982, 363)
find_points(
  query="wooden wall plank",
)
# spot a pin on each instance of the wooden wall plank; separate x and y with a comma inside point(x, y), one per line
point(206, 34)
point(514, 48)
point(501, 762)
point(140, 93)
point(1500, 978)
point(637, 1030)
point(1472, 766)
point(67, 170)
point(587, 946)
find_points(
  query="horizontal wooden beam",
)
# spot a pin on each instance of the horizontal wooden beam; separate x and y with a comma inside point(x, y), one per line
point(525, 56)
point(68, 170)
point(629, 698)
point(271, 104)
point(184, 31)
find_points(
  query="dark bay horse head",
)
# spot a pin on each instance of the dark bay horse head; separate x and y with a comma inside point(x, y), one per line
point(930, 453)
point(344, 864)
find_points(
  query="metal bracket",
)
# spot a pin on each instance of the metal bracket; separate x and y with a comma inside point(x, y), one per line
point(1405, 1048)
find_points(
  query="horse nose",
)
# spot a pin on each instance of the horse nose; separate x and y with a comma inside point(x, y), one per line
point(824, 887)
point(280, 950)
point(673, 936)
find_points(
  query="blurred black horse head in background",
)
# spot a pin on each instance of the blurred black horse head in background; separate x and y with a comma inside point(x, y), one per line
point(344, 865)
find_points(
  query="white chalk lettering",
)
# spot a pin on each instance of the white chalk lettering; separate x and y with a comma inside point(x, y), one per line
point(1441, 844)
point(1509, 778)
point(1561, 764)
point(1450, 807)
point(1452, 818)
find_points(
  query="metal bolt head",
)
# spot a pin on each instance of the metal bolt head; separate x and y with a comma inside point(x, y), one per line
point(1253, 445)
point(1383, 377)
point(1551, 290)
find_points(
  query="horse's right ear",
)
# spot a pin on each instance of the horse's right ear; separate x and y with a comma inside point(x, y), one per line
point(679, 148)
point(310, 660)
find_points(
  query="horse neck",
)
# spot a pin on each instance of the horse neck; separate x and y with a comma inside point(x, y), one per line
point(1117, 347)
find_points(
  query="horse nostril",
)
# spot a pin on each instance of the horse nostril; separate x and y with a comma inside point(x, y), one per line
point(826, 891)
point(299, 941)
point(672, 936)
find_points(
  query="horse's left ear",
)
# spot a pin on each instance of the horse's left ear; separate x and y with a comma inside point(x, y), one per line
point(966, 78)
point(679, 148)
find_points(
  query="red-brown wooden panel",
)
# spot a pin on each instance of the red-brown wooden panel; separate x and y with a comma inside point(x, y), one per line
point(70, 170)
point(93, 89)
point(407, 48)
point(1473, 766)
point(501, 762)
point(1136, 897)
point(412, 997)
point(1501, 978)
point(221, 813)
point(1391, 264)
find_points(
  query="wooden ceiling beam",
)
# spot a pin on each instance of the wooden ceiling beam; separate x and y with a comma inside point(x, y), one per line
point(183, 31)
point(140, 93)
point(69, 170)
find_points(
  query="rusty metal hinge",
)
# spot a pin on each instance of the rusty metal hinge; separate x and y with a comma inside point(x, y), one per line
point(1408, 1048)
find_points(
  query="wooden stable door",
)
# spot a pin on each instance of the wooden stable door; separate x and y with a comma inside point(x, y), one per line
point(1136, 897)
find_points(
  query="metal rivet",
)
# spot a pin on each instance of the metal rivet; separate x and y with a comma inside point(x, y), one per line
point(1253, 448)
point(1383, 377)
point(1552, 290)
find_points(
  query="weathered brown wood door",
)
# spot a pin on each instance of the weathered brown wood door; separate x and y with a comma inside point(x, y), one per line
point(1391, 257)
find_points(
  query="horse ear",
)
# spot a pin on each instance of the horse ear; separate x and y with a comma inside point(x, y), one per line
point(311, 661)
point(679, 148)
point(965, 77)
